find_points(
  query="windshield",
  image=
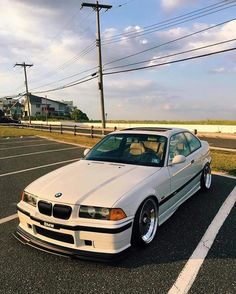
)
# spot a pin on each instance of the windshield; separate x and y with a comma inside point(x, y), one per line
point(138, 149)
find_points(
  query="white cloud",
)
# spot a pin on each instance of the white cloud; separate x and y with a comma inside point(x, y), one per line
point(173, 4)
point(218, 70)
point(223, 70)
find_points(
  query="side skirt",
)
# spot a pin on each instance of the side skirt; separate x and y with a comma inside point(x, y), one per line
point(167, 213)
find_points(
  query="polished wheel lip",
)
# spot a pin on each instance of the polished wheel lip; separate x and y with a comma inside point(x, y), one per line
point(148, 220)
point(207, 177)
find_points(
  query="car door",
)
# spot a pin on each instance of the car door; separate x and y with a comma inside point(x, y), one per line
point(181, 173)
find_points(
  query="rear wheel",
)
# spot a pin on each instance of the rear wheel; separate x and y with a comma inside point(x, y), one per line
point(145, 223)
point(206, 178)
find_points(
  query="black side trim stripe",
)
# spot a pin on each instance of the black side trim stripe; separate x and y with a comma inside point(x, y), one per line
point(179, 189)
point(79, 228)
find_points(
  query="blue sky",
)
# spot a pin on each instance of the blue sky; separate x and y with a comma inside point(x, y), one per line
point(49, 33)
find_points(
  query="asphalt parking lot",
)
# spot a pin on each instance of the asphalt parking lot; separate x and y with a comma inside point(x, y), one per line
point(154, 270)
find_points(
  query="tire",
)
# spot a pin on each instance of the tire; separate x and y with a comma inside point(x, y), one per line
point(206, 178)
point(145, 223)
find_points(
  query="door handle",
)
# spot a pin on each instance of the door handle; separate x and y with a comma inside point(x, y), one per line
point(192, 161)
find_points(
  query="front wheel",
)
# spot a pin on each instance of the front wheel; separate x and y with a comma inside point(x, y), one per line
point(145, 223)
point(206, 178)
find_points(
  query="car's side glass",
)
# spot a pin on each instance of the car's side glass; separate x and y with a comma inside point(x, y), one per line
point(178, 146)
point(194, 143)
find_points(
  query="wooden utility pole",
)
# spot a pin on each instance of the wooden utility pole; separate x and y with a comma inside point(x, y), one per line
point(46, 107)
point(97, 7)
point(26, 85)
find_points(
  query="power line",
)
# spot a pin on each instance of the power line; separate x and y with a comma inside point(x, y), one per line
point(171, 41)
point(170, 62)
point(78, 56)
point(66, 78)
point(165, 27)
point(174, 54)
point(13, 96)
point(92, 46)
point(165, 24)
point(81, 81)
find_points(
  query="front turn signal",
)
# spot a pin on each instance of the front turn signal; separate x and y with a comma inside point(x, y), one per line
point(117, 214)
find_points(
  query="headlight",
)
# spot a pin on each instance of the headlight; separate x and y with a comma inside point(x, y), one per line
point(30, 199)
point(101, 213)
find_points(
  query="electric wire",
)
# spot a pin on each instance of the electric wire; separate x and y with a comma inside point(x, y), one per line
point(92, 46)
point(160, 29)
point(66, 78)
point(166, 23)
point(171, 62)
point(81, 81)
point(171, 41)
point(173, 54)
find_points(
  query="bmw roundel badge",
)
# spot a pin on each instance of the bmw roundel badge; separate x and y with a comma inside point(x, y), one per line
point(59, 194)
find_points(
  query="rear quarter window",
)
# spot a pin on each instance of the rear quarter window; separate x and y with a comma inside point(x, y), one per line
point(194, 143)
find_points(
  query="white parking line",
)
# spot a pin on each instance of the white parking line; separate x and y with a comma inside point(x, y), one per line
point(39, 152)
point(192, 267)
point(37, 167)
point(22, 141)
point(17, 147)
point(8, 218)
point(17, 138)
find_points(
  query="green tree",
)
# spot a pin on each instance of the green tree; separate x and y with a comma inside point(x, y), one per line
point(79, 115)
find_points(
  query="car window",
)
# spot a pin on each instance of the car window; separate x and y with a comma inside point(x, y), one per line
point(194, 143)
point(111, 144)
point(178, 146)
point(138, 149)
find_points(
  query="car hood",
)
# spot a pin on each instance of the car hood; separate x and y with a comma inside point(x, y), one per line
point(90, 182)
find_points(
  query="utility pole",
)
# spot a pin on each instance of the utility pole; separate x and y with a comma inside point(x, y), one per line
point(26, 85)
point(97, 7)
point(46, 111)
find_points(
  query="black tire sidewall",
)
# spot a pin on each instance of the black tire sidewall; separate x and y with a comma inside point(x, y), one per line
point(203, 182)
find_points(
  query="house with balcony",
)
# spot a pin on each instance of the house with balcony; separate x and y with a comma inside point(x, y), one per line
point(40, 106)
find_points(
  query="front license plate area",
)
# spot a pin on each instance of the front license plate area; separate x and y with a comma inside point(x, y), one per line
point(49, 225)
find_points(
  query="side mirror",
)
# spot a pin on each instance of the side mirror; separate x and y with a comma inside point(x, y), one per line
point(178, 159)
point(86, 151)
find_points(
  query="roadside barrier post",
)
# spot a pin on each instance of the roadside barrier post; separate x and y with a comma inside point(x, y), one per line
point(75, 130)
point(61, 129)
point(91, 131)
point(50, 128)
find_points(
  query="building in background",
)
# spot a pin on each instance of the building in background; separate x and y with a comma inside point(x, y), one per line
point(70, 105)
point(40, 106)
point(11, 107)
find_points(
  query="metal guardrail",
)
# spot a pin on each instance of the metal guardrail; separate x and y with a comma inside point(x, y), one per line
point(69, 129)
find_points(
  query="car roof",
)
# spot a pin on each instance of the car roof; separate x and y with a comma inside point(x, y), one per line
point(167, 132)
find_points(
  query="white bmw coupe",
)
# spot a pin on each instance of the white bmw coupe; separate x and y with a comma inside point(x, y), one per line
point(129, 184)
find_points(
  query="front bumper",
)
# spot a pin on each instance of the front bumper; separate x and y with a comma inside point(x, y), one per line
point(32, 241)
point(77, 241)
